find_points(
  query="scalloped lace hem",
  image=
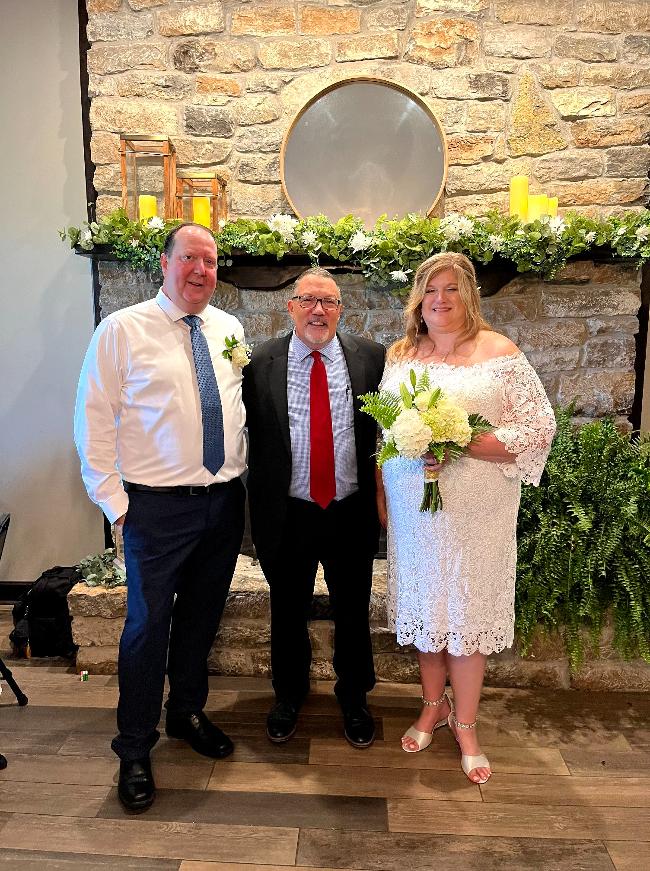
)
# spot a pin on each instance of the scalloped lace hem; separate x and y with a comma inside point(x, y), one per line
point(493, 641)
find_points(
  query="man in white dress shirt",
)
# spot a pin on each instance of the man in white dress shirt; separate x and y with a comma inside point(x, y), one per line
point(140, 424)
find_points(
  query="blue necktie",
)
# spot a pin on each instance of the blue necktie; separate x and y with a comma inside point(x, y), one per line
point(211, 414)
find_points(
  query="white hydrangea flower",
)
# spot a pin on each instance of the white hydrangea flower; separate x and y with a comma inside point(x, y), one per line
point(400, 274)
point(222, 222)
point(86, 236)
point(642, 233)
point(454, 226)
point(557, 225)
point(496, 242)
point(359, 242)
point(156, 223)
point(588, 237)
point(309, 239)
point(284, 225)
point(411, 434)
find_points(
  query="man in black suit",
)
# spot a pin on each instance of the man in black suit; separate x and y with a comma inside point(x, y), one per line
point(311, 490)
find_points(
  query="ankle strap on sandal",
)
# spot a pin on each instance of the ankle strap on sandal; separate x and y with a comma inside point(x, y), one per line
point(463, 725)
point(436, 703)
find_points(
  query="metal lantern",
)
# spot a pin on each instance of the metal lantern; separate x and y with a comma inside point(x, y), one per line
point(201, 197)
point(148, 176)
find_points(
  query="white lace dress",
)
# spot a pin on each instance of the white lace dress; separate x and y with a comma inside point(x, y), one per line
point(451, 575)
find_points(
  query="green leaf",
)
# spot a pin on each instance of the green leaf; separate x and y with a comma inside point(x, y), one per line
point(388, 452)
point(407, 398)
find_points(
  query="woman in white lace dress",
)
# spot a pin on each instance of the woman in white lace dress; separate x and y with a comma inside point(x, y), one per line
point(451, 574)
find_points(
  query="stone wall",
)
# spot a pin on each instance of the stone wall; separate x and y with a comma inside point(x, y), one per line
point(577, 331)
point(558, 90)
point(242, 646)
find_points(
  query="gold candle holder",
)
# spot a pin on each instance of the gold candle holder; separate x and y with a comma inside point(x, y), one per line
point(201, 197)
point(148, 166)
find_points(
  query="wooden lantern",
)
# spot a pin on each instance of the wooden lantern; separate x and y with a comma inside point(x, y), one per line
point(148, 166)
point(201, 197)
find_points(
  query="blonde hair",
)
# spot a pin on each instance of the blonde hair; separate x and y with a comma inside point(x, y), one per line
point(414, 325)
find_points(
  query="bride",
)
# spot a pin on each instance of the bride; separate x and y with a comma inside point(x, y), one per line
point(451, 574)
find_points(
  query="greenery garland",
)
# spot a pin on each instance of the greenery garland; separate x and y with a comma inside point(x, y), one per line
point(392, 251)
point(584, 541)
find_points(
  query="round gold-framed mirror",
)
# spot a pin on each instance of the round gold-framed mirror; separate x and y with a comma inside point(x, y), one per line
point(364, 147)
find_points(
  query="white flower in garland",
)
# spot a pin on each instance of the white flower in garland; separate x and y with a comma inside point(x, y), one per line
point(86, 236)
point(496, 242)
point(589, 237)
point(360, 242)
point(643, 233)
point(400, 275)
point(557, 225)
point(310, 239)
point(135, 243)
point(454, 226)
point(156, 223)
point(284, 225)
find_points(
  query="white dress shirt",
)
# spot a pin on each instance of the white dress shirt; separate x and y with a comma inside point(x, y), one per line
point(138, 410)
point(299, 365)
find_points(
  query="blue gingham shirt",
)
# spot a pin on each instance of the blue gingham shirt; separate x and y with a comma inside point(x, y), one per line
point(341, 403)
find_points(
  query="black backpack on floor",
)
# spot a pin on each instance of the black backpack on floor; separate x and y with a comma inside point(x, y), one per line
point(41, 617)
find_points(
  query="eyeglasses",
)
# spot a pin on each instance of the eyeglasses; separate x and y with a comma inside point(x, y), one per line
point(329, 303)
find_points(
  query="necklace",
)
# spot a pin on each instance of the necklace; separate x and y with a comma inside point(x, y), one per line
point(443, 359)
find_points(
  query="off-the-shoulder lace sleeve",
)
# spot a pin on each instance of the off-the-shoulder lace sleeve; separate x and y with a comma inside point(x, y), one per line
point(527, 423)
point(389, 370)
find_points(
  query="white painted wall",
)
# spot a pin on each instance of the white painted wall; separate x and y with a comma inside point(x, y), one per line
point(45, 291)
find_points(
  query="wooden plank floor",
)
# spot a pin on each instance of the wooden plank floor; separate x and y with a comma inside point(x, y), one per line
point(570, 788)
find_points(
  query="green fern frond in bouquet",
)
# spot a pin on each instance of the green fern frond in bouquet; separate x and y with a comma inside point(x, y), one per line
point(384, 407)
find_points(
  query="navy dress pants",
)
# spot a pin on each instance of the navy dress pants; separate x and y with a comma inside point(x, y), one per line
point(180, 552)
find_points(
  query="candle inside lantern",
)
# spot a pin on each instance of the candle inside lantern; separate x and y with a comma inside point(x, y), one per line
point(519, 196)
point(201, 210)
point(147, 207)
point(552, 207)
point(537, 206)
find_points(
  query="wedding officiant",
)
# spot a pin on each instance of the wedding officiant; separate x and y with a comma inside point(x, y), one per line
point(312, 497)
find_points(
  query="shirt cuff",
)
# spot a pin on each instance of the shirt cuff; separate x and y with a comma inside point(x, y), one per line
point(116, 506)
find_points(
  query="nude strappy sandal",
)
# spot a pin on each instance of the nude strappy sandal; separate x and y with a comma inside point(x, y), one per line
point(469, 763)
point(423, 739)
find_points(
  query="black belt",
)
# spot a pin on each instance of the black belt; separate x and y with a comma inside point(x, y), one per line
point(181, 490)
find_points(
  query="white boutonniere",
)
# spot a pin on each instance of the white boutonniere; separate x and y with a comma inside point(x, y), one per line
point(237, 352)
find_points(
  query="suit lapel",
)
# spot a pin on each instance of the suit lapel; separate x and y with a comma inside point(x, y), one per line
point(356, 367)
point(358, 380)
point(277, 383)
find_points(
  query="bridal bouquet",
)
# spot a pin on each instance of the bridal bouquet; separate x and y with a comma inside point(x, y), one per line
point(420, 419)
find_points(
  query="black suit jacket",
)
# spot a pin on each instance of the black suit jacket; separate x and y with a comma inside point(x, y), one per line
point(269, 458)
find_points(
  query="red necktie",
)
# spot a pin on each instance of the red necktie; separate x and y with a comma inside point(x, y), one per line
point(322, 483)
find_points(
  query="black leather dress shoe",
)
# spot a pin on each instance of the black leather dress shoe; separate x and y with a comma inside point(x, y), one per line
point(202, 735)
point(281, 722)
point(136, 789)
point(359, 727)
